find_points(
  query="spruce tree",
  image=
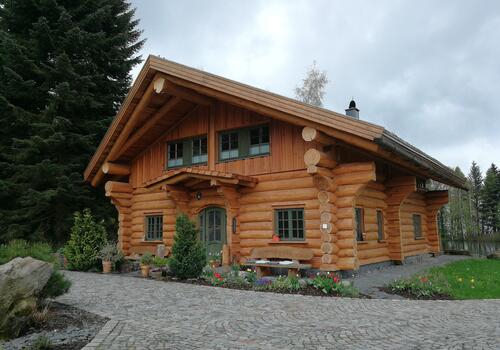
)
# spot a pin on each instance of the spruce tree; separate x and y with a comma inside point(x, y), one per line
point(490, 200)
point(188, 254)
point(65, 68)
point(475, 180)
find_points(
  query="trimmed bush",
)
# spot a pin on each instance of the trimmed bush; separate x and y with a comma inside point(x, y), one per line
point(57, 285)
point(87, 239)
point(188, 254)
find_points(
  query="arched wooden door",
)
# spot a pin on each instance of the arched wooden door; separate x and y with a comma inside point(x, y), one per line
point(213, 231)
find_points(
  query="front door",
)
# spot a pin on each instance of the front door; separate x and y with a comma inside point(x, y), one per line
point(213, 231)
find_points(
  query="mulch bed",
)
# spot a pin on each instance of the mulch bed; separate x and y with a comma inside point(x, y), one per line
point(408, 295)
point(76, 326)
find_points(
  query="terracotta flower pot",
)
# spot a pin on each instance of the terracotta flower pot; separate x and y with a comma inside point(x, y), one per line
point(145, 270)
point(106, 266)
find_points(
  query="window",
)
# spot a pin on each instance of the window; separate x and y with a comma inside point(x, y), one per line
point(187, 152)
point(154, 228)
point(380, 225)
point(417, 226)
point(360, 223)
point(259, 140)
point(175, 152)
point(290, 224)
point(199, 150)
point(229, 145)
point(241, 143)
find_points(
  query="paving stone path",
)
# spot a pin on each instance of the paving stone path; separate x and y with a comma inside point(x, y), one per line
point(148, 314)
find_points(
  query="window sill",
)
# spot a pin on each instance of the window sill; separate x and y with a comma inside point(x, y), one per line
point(288, 242)
point(243, 157)
point(152, 242)
point(419, 239)
point(185, 166)
point(362, 242)
point(382, 241)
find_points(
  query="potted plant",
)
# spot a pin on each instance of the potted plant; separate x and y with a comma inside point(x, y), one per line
point(276, 238)
point(109, 254)
point(159, 267)
point(146, 261)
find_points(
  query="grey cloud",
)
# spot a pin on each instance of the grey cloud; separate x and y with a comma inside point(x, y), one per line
point(427, 70)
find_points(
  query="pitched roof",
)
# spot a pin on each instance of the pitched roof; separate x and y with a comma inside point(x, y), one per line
point(332, 123)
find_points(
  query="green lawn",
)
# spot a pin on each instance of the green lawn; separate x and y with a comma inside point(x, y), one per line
point(466, 279)
point(472, 278)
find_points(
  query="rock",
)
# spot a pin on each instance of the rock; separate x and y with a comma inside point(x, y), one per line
point(494, 255)
point(21, 281)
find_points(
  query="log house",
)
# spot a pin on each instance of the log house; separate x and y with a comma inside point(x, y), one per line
point(248, 164)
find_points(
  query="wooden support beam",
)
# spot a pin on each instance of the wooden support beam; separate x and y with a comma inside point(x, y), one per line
point(319, 158)
point(151, 123)
point(164, 85)
point(310, 134)
point(116, 169)
point(131, 123)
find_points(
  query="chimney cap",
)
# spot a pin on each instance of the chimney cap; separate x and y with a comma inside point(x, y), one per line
point(352, 104)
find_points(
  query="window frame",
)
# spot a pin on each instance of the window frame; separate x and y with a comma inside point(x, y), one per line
point(261, 144)
point(157, 230)
point(187, 151)
point(200, 139)
point(244, 140)
point(290, 224)
point(380, 225)
point(417, 224)
point(359, 230)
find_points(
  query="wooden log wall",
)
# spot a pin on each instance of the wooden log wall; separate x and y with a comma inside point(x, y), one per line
point(434, 201)
point(413, 204)
point(350, 180)
point(371, 199)
point(146, 202)
point(293, 189)
point(397, 189)
point(121, 196)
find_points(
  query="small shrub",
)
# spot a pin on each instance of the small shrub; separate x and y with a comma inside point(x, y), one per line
point(57, 285)
point(188, 254)
point(87, 239)
point(160, 262)
point(280, 284)
point(331, 284)
point(110, 252)
point(147, 258)
point(251, 276)
point(422, 286)
point(41, 343)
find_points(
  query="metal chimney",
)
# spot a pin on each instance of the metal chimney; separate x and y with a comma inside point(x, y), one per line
point(352, 111)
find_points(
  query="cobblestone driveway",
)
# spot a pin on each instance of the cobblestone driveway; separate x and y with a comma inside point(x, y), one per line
point(158, 315)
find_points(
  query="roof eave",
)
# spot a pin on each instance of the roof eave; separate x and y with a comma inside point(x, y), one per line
point(394, 144)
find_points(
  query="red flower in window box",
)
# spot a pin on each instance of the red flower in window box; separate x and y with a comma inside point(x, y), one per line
point(276, 238)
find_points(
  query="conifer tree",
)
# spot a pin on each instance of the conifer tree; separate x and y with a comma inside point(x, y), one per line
point(188, 254)
point(490, 200)
point(475, 179)
point(65, 69)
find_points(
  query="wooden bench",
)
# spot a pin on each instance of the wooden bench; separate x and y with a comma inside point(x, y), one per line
point(277, 254)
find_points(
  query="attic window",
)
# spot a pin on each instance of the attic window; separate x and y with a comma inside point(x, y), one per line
point(175, 152)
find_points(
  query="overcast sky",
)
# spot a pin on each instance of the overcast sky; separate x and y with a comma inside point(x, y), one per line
point(427, 70)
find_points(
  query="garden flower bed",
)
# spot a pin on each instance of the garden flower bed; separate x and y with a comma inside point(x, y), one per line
point(320, 284)
point(467, 279)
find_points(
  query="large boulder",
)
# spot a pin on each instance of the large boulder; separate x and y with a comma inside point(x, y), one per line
point(21, 281)
point(495, 255)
